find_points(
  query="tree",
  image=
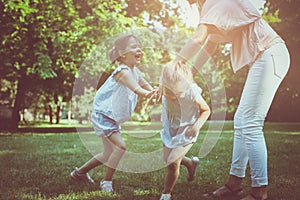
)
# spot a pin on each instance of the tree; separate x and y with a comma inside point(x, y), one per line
point(49, 40)
point(289, 91)
point(16, 56)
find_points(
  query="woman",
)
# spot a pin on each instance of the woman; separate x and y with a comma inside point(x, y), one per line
point(256, 45)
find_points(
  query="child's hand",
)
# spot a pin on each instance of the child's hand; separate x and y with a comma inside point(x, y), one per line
point(159, 94)
point(150, 95)
point(192, 132)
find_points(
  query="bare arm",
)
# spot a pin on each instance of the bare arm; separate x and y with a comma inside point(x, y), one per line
point(194, 44)
point(144, 84)
point(206, 51)
point(126, 78)
point(204, 114)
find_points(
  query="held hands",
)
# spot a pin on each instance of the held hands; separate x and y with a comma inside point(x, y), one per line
point(152, 94)
point(159, 93)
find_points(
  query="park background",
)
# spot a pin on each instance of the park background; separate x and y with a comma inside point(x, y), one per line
point(53, 54)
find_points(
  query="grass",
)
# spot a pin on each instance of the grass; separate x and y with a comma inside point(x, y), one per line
point(37, 166)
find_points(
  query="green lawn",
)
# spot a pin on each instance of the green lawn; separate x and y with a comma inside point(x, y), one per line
point(37, 166)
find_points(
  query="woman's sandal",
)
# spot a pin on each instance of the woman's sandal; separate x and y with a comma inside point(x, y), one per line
point(256, 198)
point(226, 191)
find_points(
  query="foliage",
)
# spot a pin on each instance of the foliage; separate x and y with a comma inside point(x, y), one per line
point(55, 49)
point(289, 90)
point(154, 12)
point(82, 104)
point(43, 43)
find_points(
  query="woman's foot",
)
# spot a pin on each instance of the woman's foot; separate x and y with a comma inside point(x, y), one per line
point(253, 197)
point(226, 191)
point(257, 193)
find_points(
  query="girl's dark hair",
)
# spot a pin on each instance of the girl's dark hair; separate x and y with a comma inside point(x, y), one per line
point(120, 45)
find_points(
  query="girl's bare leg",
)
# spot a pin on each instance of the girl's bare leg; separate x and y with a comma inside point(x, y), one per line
point(173, 158)
point(118, 150)
point(187, 162)
point(172, 176)
point(99, 158)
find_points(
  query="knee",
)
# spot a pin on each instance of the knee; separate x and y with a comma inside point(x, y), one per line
point(248, 122)
point(173, 166)
point(253, 134)
point(166, 158)
point(106, 155)
point(121, 147)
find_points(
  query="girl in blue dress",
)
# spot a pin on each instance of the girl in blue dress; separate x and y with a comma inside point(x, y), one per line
point(114, 104)
point(183, 114)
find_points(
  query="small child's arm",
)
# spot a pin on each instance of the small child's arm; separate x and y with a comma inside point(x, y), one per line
point(144, 84)
point(204, 114)
point(126, 78)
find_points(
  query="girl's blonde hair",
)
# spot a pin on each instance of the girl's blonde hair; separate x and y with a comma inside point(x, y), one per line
point(120, 45)
point(176, 75)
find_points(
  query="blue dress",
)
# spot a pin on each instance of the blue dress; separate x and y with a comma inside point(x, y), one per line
point(178, 116)
point(114, 100)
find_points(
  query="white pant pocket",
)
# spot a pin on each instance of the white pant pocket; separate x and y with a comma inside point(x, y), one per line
point(281, 60)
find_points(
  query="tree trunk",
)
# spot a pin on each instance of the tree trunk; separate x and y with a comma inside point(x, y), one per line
point(21, 89)
point(57, 113)
point(50, 114)
point(56, 101)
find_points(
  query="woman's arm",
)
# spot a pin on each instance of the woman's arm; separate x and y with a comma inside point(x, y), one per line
point(194, 44)
point(206, 51)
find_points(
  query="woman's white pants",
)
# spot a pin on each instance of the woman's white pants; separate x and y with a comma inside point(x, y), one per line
point(263, 80)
